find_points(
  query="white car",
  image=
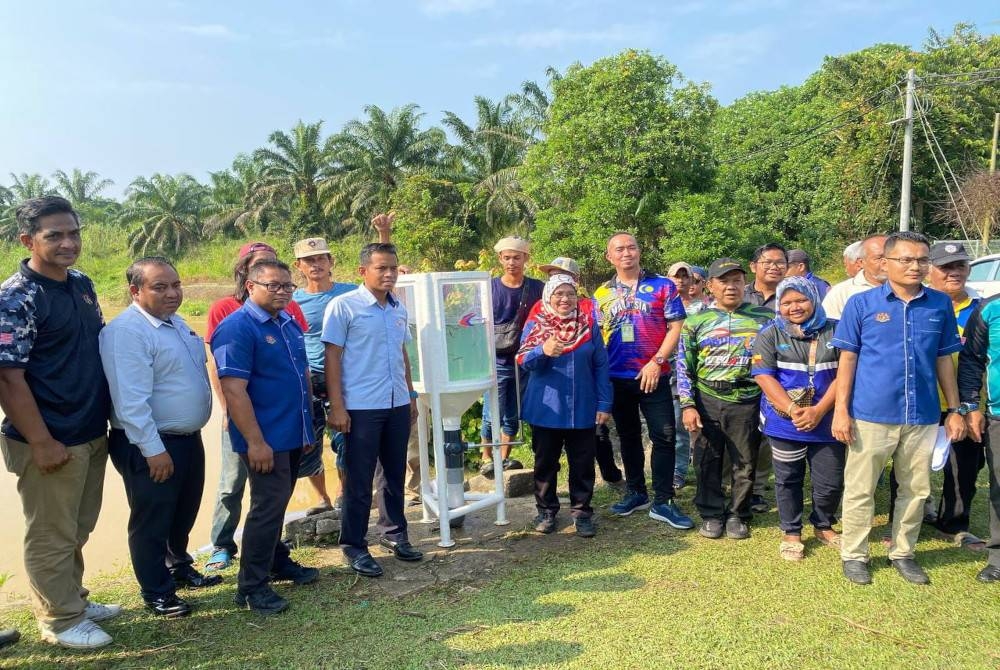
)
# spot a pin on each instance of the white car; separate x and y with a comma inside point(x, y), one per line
point(984, 275)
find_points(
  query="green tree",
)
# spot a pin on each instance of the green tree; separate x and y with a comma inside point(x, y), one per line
point(81, 188)
point(372, 157)
point(292, 170)
point(163, 213)
point(431, 230)
point(622, 138)
point(27, 186)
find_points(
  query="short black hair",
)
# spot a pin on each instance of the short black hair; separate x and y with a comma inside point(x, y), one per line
point(370, 250)
point(770, 246)
point(259, 267)
point(136, 273)
point(904, 236)
point(30, 211)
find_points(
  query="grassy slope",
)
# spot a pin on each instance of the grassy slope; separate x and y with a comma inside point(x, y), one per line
point(638, 596)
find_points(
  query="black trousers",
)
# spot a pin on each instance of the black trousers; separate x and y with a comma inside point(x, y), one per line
point(377, 436)
point(826, 473)
point(160, 515)
point(263, 552)
point(658, 410)
point(961, 470)
point(605, 455)
point(548, 445)
point(732, 428)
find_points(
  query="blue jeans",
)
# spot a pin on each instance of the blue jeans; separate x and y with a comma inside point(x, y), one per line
point(507, 402)
point(229, 506)
point(682, 444)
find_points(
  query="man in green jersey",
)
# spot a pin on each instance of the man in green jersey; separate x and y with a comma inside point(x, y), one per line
point(720, 400)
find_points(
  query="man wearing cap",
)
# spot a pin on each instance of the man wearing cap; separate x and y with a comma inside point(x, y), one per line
point(313, 260)
point(604, 450)
point(682, 275)
point(895, 343)
point(720, 400)
point(641, 315)
point(948, 272)
point(799, 265)
point(233, 476)
point(155, 365)
point(513, 297)
point(871, 275)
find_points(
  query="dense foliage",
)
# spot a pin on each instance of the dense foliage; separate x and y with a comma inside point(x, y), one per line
point(626, 143)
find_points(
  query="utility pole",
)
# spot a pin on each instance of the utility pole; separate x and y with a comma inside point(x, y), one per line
point(904, 200)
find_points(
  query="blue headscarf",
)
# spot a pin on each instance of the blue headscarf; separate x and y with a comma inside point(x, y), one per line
point(814, 323)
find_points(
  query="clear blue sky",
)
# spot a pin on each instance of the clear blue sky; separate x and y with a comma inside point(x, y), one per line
point(131, 88)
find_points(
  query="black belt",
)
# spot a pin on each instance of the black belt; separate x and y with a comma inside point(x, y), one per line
point(178, 435)
point(727, 387)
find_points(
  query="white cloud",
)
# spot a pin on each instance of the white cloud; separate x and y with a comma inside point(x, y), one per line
point(733, 49)
point(211, 30)
point(441, 7)
point(555, 38)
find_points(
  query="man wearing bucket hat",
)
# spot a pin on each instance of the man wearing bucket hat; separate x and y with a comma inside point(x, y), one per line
point(720, 399)
point(314, 261)
point(513, 297)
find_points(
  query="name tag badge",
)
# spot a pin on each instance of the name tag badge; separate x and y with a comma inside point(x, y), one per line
point(628, 332)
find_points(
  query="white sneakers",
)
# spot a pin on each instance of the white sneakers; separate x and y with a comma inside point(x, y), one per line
point(86, 634)
point(99, 612)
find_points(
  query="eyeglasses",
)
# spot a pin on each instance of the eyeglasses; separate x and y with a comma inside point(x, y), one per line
point(276, 287)
point(922, 262)
point(772, 264)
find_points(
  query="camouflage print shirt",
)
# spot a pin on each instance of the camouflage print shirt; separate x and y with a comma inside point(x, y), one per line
point(50, 329)
point(716, 346)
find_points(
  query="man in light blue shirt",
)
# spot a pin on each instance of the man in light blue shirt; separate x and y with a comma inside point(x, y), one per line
point(373, 403)
point(161, 399)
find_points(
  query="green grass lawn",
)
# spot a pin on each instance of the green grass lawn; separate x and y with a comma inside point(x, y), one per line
point(640, 595)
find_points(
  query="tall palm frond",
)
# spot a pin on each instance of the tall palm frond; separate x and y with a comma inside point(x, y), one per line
point(80, 187)
point(236, 202)
point(164, 212)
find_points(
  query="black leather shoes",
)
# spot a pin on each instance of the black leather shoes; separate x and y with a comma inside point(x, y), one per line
point(857, 572)
point(170, 607)
point(991, 573)
point(910, 571)
point(262, 601)
point(192, 579)
point(404, 551)
point(295, 573)
point(366, 566)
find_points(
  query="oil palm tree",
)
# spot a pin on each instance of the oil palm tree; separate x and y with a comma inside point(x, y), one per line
point(236, 200)
point(81, 188)
point(164, 213)
point(291, 172)
point(488, 156)
point(373, 156)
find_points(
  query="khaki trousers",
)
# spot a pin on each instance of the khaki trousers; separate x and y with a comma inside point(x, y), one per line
point(910, 448)
point(60, 512)
point(412, 481)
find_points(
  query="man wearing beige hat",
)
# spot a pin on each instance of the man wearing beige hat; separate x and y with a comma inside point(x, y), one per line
point(513, 297)
point(314, 261)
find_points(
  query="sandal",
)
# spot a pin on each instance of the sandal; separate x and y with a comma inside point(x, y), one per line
point(791, 551)
point(324, 506)
point(967, 540)
point(219, 560)
point(828, 537)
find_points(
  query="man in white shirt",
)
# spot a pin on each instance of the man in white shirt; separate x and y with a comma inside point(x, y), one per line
point(870, 276)
point(161, 399)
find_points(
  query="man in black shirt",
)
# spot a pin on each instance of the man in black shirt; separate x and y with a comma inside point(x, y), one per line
point(56, 406)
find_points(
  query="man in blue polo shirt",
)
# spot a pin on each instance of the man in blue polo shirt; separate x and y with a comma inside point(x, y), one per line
point(260, 354)
point(373, 403)
point(896, 343)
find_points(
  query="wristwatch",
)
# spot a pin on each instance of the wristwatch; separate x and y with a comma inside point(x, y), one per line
point(660, 360)
point(414, 395)
point(966, 407)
